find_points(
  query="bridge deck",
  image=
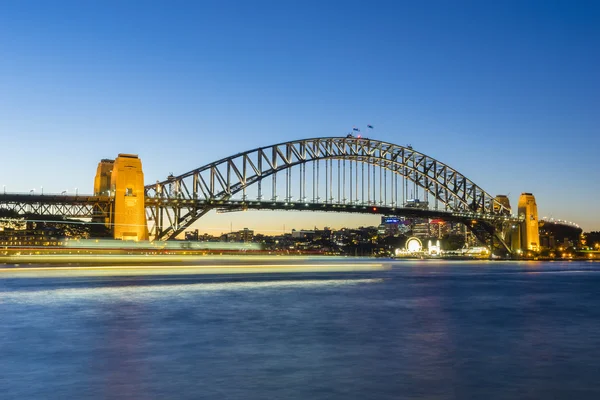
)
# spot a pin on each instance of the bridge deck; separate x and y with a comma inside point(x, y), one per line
point(54, 204)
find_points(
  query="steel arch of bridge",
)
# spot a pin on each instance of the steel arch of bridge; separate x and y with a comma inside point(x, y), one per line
point(174, 204)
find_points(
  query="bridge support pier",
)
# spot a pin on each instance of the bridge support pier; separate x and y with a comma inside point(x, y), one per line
point(530, 235)
point(123, 179)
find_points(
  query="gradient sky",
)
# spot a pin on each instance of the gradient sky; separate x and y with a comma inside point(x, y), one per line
point(506, 92)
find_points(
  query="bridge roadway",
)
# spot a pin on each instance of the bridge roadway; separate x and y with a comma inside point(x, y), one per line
point(240, 205)
point(75, 206)
point(87, 206)
point(485, 226)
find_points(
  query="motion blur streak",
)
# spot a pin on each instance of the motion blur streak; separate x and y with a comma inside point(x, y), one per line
point(148, 293)
point(138, 270)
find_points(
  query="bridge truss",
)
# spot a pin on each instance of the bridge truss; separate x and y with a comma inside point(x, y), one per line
point(346, 174)
point(62, 205)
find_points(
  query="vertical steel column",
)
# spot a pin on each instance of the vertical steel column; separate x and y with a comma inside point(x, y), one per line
point(369, 181)
point(318, 198)
point(157, 221)
point(274, 188)
point(244, 175)
point(356, 180)
point(392, 185)
point(350, 181)
point(313, 182)
point(374, 185)
point(195, 188)
point(331, 180)
point(362, 183)
point(380, 186)
point(287, 183)
point(338, 182)
point(159, 231)
point(396, 184)
point(385, 186)
point(303, 181)
point(291, 189)
point(301, 197)
point(274, 163)
point(260, 175)
point(416, 186)
point(405, 187)
point(326, 179)
point(344, 179)
point(228, 185)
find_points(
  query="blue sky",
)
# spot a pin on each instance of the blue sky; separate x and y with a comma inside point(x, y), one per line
point(506, 92)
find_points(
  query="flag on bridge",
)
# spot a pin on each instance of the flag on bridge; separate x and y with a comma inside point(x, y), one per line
point(370, 126)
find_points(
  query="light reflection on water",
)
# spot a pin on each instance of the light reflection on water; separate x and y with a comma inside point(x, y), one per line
point(156, 292)
point(419, 330)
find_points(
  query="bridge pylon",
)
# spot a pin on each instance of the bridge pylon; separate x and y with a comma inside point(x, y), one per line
point(123, 180)
point(530, 235)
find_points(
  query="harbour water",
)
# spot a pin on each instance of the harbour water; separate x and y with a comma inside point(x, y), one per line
point(419, 330)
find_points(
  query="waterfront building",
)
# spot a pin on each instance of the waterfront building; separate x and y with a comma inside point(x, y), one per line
point(27, 234)
point(191, 235)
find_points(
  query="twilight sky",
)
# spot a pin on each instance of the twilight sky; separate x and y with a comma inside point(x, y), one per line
point(506, 92)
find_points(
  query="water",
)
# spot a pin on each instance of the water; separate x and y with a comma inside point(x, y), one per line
point(422, 330)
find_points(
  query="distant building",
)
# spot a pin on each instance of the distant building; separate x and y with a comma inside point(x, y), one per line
point(502, 200)
point(438, 228)
point(302, 234)
point(323, 234)
point(392, 226)
point(191, 235)
point(420, 228)
point(245, 235)
point(547, 241)
point(21, 234)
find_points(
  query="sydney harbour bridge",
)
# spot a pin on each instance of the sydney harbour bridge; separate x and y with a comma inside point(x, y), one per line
point(330, 174)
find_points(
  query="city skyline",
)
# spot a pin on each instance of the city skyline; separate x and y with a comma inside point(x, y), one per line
point(505, 93)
